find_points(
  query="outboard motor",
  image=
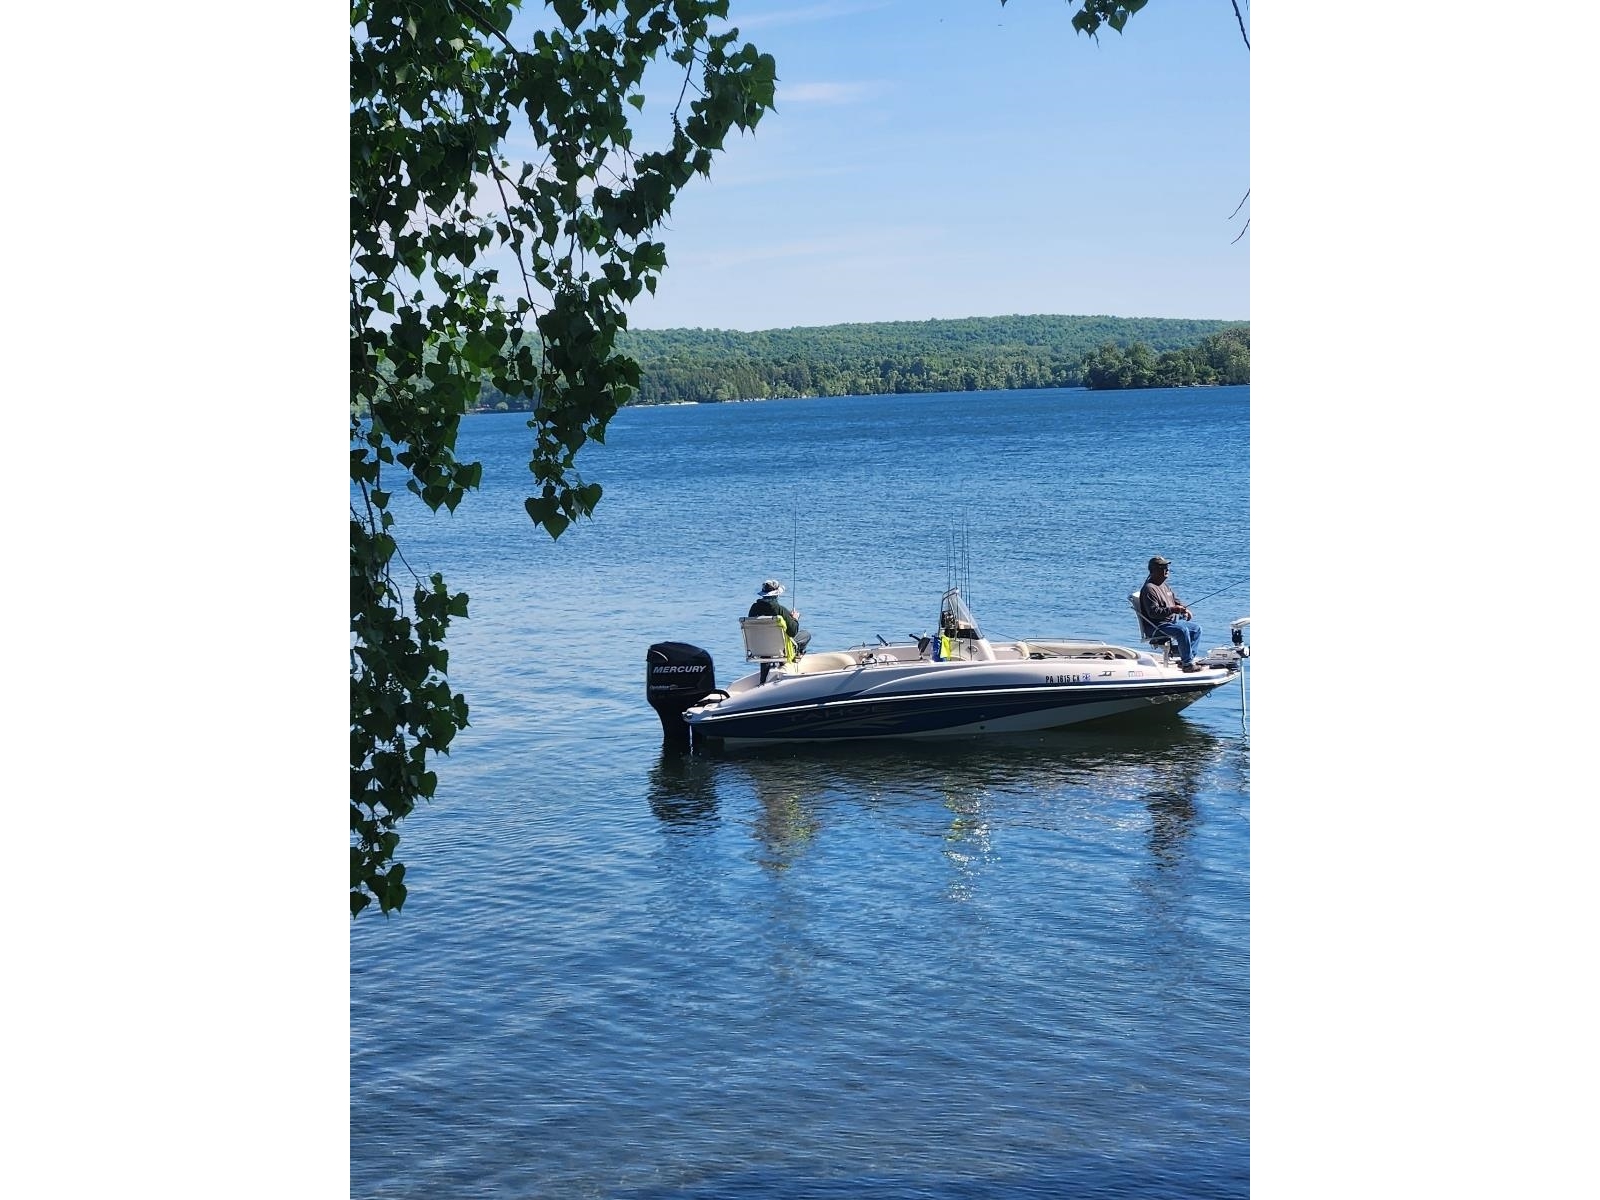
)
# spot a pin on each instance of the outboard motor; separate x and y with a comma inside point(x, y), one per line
point(677, 677)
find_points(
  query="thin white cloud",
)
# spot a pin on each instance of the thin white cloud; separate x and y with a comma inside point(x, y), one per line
point(825, 93)
point(733, 175)
point(899, 238)
point(824, 10)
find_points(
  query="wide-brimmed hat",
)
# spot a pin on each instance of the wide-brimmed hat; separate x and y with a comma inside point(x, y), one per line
point(1158, 561)
point(770, 587)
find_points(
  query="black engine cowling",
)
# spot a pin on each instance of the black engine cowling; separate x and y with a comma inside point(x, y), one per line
point(677, 677)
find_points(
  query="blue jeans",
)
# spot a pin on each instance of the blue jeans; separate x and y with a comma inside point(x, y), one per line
point(1185, 636)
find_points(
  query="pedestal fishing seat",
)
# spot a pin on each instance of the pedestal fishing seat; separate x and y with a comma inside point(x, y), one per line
point(1148, 633)
point(766, 642)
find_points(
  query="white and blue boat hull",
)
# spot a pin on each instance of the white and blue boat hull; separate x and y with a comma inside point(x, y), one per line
point(932, 700)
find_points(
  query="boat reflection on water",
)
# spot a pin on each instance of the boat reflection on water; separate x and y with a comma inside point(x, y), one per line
point(789, 808)
point(1063, 778)
point(687, 790)
point(1170, 799)
point(683, 788)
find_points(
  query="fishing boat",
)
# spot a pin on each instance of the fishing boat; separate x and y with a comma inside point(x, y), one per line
point(952, 683)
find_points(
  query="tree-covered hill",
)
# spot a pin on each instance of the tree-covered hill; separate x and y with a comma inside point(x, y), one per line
point(969, 354)
point(1219, 358)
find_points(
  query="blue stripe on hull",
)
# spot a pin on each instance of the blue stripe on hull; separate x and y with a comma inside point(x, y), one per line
point(938, 712)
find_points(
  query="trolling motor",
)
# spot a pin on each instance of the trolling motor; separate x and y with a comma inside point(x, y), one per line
point(1243, 652)
point(1232, 657)
point(677, 677)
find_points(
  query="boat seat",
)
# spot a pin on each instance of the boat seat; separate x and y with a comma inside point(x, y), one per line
point(765, 642)
point(832, 660)
point(1147, 631)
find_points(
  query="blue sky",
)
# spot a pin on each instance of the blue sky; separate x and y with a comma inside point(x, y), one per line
point(951, 158)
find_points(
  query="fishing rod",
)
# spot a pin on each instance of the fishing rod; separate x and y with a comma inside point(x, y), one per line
point(794, 549)
point(966, 562)
point(958, 559)
point(1219, 591)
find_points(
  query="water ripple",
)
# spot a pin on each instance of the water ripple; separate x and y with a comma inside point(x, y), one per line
point(1015, 967)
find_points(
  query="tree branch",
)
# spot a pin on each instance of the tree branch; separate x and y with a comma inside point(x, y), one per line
point(481, 23)
point(516, 247)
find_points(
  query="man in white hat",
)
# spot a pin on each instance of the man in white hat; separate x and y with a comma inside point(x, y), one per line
point(767, 605)
point(1169, 615)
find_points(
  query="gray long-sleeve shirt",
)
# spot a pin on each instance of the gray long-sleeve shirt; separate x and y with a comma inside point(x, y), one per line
point(1157, 602)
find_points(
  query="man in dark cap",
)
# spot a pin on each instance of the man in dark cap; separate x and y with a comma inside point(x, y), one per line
point(1169, 615)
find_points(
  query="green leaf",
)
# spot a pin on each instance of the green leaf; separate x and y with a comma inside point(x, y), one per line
point(539, 507)
point(436, 103)
point(570, 12)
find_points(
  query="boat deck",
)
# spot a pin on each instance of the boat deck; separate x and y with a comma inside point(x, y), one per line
point(894, 653)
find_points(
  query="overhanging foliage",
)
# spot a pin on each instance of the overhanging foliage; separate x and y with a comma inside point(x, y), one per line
point(438, 207)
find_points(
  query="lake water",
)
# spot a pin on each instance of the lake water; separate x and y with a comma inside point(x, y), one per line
point(1006, 968)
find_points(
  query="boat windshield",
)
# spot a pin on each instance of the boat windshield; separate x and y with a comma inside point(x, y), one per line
point(955, 617)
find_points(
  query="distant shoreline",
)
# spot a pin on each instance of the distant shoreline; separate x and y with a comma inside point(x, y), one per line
point(971, 354)
point(481, 410)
